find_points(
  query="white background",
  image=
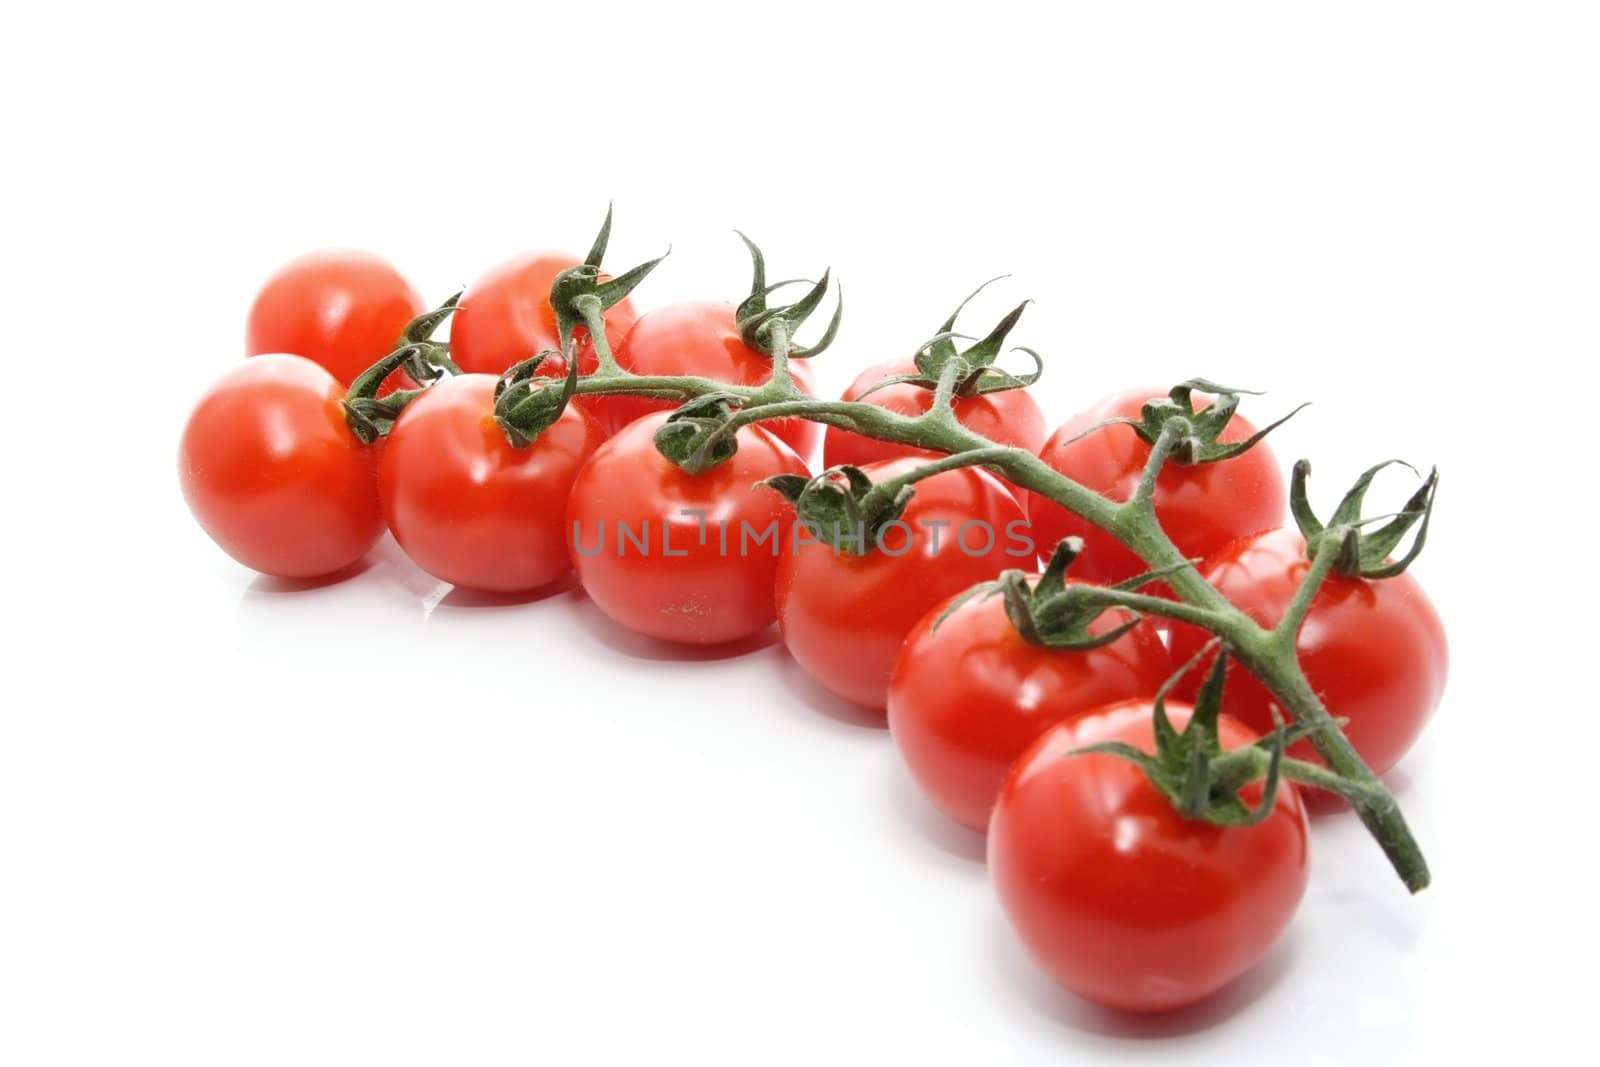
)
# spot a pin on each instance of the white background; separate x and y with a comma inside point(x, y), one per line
point(374, 823)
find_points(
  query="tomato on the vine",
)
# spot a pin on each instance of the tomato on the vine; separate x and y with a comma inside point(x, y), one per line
point(1373, 649)
point(845, 615)
point(274, 474)
point(702, 338)
point(1006, 417)
point(469, 507)
point(342, 310)
point(505, 317)
point(1119, 897)
point(1202, 506)
point(678, 556)
point(969, 694)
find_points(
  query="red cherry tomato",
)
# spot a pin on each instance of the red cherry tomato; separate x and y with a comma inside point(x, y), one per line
point(702, 338)
point(505, 317)
point(678, 556)
point(272, 472)
point(1374, 650)
point(469, 507)
point(970, 694)
point(1010, 417)
point(1117, 896)
point(340, 309)
point(1203, 506)
point(844, 616)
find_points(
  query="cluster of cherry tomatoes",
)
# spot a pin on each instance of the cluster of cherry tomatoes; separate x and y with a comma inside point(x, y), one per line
point(1119, 896)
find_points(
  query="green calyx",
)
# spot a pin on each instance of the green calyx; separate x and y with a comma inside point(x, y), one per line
point(419, 355)
point(1196, 434)
point(1364, 552)
point(1190, 767)
point(525, 405)
point(1203, 782)
point(756, 318)
point(577, 293)
point(1056, 613)
point(842, 507)
point(431, 358)
point(698, 435)
point(972, 370)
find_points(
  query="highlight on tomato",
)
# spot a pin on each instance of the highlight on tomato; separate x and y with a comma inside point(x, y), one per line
point(682, 556)
point(343, 310)
point(877, 554)
point(986, 400)
point(273, 473)
point(733, 344)
point(1371, 644)
point(1144, 868)
point(984, 674)
point(477, 497)
point(506, 318)
point(1220, 481)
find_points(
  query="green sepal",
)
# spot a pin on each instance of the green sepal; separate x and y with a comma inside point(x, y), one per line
point(429, 359)
point(788, 486)
point(1189, 766)
point(974, 370)
point(420, 331)
point(1200, 442)
point(1057, 613)
point(695, 436)
point(597, 250)
point(1364, 552)
point(754, 317)
point(584, 280)
point(979, 375)
point(419, 355)
point(842, 507)
point(525, 405)
point(370, 418)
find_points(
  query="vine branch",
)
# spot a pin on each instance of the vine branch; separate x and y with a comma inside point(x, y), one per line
point(1268, 654)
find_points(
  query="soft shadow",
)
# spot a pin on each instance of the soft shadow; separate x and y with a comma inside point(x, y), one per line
point(1399, 926)
point(1019, 976)
point(472, 599)
point(614, 636)
point(1398, 781)
point(928, 824)
point(268, 585)
point(813, 697)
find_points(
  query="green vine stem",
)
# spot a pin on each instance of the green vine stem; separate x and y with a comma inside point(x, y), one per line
point(778, 334)
point(1268, 654)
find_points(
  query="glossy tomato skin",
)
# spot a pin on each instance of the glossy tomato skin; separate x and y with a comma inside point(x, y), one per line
point(271, 471)
point(1202, 506)
point(1011, 417)
point(1374, 651)
point(844, 616)
point(1117, 896)
point(341, 309)
point(465, 504)
point(505, 317)
point(969, 695)
point(678, 587)
point(702, 338)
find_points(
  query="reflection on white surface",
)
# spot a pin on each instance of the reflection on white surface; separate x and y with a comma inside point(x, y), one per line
point(750, 781)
